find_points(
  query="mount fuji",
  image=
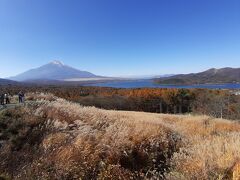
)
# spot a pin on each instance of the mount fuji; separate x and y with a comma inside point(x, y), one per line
point(54, 70)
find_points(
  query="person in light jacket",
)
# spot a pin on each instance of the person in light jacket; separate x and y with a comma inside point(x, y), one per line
point(7, 98)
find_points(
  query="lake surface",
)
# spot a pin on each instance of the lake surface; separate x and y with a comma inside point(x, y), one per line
point(151, 84)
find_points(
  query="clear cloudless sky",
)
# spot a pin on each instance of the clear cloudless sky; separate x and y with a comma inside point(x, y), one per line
point(120, 37)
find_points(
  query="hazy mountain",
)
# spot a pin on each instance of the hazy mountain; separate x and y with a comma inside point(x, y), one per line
point(224, 75)
point(7, 82)
point(55, 70)
point(147, 76)
point(164, 75)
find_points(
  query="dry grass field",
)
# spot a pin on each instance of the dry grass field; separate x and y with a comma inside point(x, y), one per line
point(51, 138)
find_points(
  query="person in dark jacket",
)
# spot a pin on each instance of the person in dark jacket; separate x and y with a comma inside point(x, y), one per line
point(2, 99)
point(20, 97)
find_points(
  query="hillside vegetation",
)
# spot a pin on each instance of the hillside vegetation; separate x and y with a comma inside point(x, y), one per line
point(216, 103)
point(51, 138)
point(212, 76)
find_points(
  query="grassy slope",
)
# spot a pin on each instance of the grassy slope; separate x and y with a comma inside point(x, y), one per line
point(56, 139)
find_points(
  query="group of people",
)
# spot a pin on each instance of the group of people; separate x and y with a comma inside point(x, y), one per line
point(4, 98)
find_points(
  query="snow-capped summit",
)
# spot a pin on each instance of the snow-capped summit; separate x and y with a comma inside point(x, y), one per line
point(56, 62)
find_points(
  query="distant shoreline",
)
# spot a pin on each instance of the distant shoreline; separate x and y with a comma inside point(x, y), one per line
point(151, 84)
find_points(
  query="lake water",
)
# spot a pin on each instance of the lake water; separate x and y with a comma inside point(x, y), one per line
point(151, 84)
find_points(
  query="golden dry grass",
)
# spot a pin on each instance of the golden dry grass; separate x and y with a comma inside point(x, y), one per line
point(91, 143)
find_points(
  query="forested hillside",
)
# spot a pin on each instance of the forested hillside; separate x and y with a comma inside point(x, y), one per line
point(212, 76)
point(216, 103)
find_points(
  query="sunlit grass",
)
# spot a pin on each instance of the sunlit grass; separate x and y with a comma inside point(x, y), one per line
point(92, 143)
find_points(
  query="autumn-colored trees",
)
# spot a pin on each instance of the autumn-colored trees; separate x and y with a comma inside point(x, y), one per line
point(216, 103)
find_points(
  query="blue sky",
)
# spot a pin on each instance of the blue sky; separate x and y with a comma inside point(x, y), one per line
point(120, 37)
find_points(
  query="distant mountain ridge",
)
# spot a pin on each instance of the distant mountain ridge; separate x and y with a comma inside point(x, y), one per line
point(54, 70)
point(7, 82)
point(211, 76)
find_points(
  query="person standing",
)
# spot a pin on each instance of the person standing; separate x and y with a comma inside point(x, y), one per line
point(7, 98)
point(2, 99)
point(23, 97)
point(20, 97)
